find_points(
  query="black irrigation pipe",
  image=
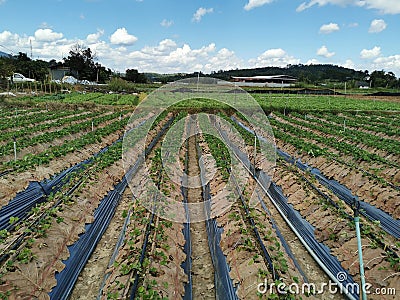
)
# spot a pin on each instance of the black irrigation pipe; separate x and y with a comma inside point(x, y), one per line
point(224, 288)
point(376, 177)
point(387, 222)
point(350, 218)
point(38, 192)
point(187, 248)
point(81, 251)
point(84, 247)
point(43, 190)
point(135, 285)
point(305, 232)
point(267, 256)
point(118, 245)
point(283, 240)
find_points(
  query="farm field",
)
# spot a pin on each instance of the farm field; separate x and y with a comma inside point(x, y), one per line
point(73, 227)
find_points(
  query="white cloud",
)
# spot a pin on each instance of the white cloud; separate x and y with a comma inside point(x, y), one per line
point(370, 53)
point(389, 63)
point(166, 23)
point(383, 6)
point(94, 37)
point(329, 28)
point(200, 13)
point(323, 51)
point(273, 57)
point(377, 26)
point(122, 37)
point(47, 35)
point(349, 64)
point(163, 48)
point(256, 3)
point(5, 36)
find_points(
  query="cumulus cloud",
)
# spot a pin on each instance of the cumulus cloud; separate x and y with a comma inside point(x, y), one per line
point(256, 3)
point(273, 57)
point(323, 51)
point(47, 35)
point(329, 28)
point(200, 13)
point(94, 37)
point(377, 26)
point(383, 6)
point(370, 53)
point(122, 37)
point(166, 23)
point(389, 63)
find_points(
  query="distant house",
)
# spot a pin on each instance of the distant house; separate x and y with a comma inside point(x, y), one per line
point(265, 81)
point(57, 72)
point(362, 84)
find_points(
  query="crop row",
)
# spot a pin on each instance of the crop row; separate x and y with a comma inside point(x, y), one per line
point(351, 135)
point(40, 127)
point(357, 122)
point(344, 148)
point(37, 117)
point(53, 216)
point(320, 103)
point(12, 111)
point(47, 137)
point(97, 98)
point(46, 156)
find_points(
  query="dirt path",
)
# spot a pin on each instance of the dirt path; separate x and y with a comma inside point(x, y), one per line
point(202, 268)
point(90, 279)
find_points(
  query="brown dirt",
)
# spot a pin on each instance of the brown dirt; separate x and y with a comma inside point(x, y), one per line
point(10, 184)
point(202, 267)
point(91, 277)
point(332, 229)
point(353, 179)
point(51, 249)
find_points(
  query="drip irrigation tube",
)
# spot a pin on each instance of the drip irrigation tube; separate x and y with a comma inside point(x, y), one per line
point(118, 245)
point(223, 284)
point(267, 257)
point(387, 222)
point(84, 247)
point(305, 232)
point(282, 239)
point(37, 192)
point(187, 248)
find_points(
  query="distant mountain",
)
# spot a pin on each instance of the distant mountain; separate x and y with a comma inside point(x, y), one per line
point(3, 54)
point(304, 73)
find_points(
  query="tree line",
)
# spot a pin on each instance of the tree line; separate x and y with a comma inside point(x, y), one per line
point(83, 65)
point(81, 62)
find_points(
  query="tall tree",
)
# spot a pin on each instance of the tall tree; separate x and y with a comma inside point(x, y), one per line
point(134, 76)
point(81, 61)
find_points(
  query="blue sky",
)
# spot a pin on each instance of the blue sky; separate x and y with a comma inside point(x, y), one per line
point(170, 36)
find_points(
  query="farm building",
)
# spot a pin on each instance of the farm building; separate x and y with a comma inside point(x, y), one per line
point(57, 72)
point(266, 81)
